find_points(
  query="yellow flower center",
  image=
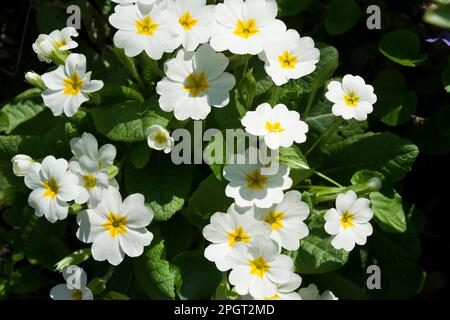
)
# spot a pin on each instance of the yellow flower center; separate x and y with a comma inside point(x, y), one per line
point(238, 235)
point(287, 60)
point(195, 84)
point(115, 224)
point(246, 29)
point(275, 219)
point(51, 188)
point(160, 138)
point(146, 26)
point(255, 180)
point(61, 43)
point(73, 84)
point(351, 99)
point(186, 21)
point(274, 297)
point(76, 294)
point(347, 220)
point(274, 127)
point(259, 267)
point(89, 181)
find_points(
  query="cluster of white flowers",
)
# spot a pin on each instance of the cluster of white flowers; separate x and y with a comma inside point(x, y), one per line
point(114, 227)
point(249, 238)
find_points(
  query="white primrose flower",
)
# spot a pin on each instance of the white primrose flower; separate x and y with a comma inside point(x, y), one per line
point(53, 186)
point(286, 220)
point(46, 45)
point(349, 222)
point(289, 56)
point(258, 268)
point(149, 28)
point(284, 291)
point(352, 98)
point(92, 180)
point(21, 164)
point(75, 286)
point(116, 228)
point(243, 27)
point(248, 185)
point(194, 82)
point(279, 126)
point(228, 229)
point(312, 293)
point(159, 138)
point(195, 18)
point(87, 145)
point(69, 86)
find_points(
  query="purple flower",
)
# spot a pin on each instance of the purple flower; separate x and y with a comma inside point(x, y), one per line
point(444, 36)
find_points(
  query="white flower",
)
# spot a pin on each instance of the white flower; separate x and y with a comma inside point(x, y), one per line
point(349, 222)
point(194, 82)
point(149, 28)
point(243, 27)
point(195, 18)
point(248, 184)
point(258, 268)
point(352, 99)
point(228, 229)
point(279, 126)
point(159, 139)
point(53, 186)
point(116, 228)
point(284, 291)
point(69, 86)
point(286, 220)
point(92, 180)
point(87, 145)
point(46, 45)
point(312, 293)
point(75, 286)
point(288, 56)
point(21, 164)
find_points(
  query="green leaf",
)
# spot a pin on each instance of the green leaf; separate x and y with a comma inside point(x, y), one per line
point(200, 277)
point(406, 54)
point(383, 152)
point(230, 116)
point(402, 113)
point(342, 16)
point(216, 201)
point(439, 17)
point(128, 121)
point(387, 248)
point(295, 160)
point(164, 185)
point(12, 115)
point(364, 176)
point(140, 154)
point(289, 8)
point(153, 273)
point(328, 63)
point(25, 280)
point(317, 255)
point(28, 94)
point(74, 258)
point(389, 212)
point(176, 241)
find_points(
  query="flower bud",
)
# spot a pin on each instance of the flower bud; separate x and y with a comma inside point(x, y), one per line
point(34, 79)
point(21, 164)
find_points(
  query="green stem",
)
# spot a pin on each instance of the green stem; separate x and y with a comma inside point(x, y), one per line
point(320, 174)
point(326, 135)
point(108, 274)
point(309, 104)
point(274, 95)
